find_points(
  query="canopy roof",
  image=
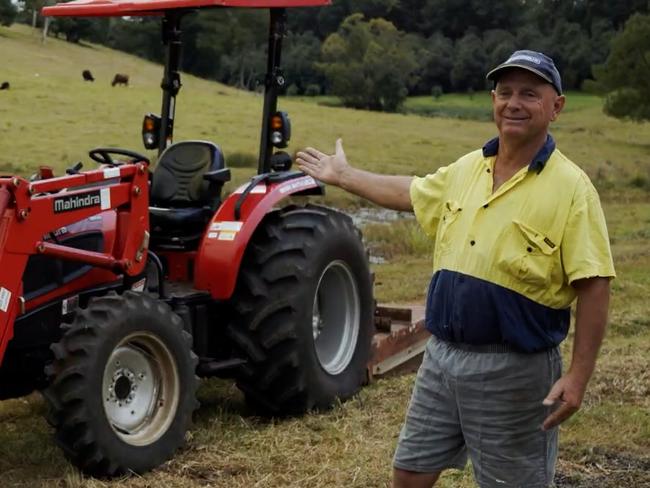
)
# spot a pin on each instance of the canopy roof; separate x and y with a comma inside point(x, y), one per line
point(134, 8)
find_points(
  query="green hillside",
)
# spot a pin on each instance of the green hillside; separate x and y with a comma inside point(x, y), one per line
point(50, 116)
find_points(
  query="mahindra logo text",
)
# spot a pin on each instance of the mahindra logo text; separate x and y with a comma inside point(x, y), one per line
point(66, 204)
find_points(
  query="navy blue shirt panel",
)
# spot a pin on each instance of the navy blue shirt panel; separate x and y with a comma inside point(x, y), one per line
point(462, 308)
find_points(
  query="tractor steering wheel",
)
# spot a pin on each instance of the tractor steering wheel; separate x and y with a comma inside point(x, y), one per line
point(102, 155)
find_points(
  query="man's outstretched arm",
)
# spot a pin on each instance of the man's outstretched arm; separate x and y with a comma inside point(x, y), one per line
point(384, 190)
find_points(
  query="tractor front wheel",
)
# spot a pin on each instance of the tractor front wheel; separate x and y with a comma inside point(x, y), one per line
point(123, 385)
point(303, 311)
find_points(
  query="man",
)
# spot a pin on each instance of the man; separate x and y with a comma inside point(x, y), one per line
point(519, 234)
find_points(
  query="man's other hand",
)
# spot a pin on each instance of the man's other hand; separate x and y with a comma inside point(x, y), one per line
point(566, 395)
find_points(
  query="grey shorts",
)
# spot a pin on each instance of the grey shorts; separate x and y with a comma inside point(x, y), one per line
point(485, 405)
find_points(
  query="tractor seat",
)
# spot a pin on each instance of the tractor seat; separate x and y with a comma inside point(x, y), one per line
point(185, 193)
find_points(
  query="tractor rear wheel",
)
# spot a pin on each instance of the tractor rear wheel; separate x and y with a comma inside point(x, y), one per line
point(303, 311)
point(123, 385)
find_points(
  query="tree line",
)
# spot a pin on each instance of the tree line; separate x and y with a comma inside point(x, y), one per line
point(374, 53)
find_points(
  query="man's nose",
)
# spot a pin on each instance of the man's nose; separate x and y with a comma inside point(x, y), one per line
point(514, 102)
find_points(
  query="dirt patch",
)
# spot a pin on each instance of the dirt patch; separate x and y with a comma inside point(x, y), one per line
point(604, 469)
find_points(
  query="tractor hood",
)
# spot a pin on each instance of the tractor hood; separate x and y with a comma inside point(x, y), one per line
point(134, 8)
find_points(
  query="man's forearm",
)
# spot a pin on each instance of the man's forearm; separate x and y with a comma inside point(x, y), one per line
point(591, 321)
point(384, 190)
point(591, 318)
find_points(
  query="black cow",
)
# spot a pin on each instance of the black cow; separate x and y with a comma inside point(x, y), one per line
point(4, 85)
point(120, 79)
point(88, 76)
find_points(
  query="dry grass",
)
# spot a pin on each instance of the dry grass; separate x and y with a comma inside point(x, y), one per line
point(53, 118)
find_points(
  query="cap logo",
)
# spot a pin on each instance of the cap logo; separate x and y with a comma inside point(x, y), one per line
point(524, 57)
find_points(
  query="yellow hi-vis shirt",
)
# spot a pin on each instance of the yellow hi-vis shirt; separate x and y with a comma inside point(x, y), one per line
point(504, 262)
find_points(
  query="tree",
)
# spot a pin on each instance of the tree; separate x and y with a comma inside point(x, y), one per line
point(454, 18)
point(8, 12)
point(227, 45)
point(137, 35)
point(33, 6)
point(616, 12)
point(624, 75)
point(571, 50)
point(75, 29)
point(498, 45)
point(529, 37)
point(436, 63)
point(300, 55)
point(406, 16)
point(468, 73)
point(329, 19)
point(375, 8)
point(368, 64)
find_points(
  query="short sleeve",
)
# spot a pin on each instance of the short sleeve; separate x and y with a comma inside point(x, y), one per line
point(427, 197)
point(585, 247)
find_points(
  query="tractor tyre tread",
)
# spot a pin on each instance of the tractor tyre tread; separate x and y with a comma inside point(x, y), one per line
point(272, 324)
point(73, 397)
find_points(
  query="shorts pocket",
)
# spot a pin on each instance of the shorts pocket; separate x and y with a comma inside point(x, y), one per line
point(527, 254)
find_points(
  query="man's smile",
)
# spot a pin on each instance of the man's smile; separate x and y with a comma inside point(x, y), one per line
point(515, 119)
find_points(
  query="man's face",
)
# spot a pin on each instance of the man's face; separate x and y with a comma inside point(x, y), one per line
point(524, 104)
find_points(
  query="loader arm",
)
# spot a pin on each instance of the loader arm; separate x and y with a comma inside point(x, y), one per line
point(30, 211)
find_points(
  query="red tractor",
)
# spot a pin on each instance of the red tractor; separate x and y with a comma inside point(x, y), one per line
point(118, 287)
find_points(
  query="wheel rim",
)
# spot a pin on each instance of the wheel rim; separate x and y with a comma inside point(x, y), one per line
point(335, 317)
point(140, 388)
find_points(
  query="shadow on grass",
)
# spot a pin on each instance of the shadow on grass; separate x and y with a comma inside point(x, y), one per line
point(28, 453)
point(603, 469)
point(30, 457)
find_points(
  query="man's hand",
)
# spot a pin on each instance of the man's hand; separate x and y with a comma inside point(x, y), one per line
point(566, 394)
point(384, 190)
point(328, 169)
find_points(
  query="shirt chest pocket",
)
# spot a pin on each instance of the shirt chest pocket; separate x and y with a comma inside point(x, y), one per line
point(527, 255)
point(450, 213)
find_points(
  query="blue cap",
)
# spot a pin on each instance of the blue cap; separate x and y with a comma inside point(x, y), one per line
point(537, 63)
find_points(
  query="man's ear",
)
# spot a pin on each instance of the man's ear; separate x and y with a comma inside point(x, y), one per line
point(558, 105)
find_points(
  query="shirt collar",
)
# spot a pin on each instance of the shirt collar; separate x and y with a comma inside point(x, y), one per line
point(491, 148)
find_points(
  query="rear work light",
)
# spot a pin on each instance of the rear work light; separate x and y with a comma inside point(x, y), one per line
point(150, 131)
point(280, 132)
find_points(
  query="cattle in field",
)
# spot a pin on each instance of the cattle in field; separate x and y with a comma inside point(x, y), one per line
point(120, 79)
point(87, 75)
point(4, 85)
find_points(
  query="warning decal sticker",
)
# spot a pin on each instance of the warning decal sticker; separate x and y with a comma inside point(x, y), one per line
point(5, 298)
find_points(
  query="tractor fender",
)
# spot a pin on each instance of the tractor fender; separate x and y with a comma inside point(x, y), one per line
point(222, 247)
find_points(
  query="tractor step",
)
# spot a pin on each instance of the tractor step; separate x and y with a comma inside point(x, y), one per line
point(398, 344)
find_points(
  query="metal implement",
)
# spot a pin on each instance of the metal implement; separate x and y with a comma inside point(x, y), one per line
point(399, 342)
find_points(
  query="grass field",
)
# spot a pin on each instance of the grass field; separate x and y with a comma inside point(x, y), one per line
point(51, 116)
